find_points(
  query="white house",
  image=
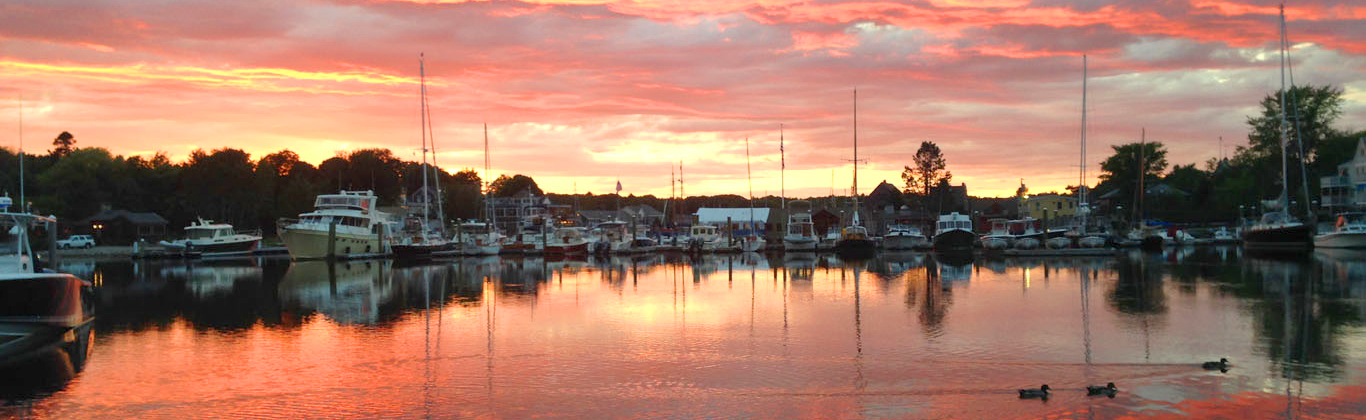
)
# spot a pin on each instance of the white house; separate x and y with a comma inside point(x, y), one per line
point(1346, 189)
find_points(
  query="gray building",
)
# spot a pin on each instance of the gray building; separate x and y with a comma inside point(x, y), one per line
point(1346, 190)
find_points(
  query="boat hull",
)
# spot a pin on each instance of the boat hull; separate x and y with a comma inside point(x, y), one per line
point(800, 243)
point(1288, 237)
point(233, 247)
point(562, 249)
point(956, 240)
point(855, 248)
point(1340, 240)
point(311, 245)
point(416, 251)
point(904, 242)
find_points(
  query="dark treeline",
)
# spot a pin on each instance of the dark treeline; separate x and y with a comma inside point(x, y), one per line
point(1215, 192)
point(225, 184)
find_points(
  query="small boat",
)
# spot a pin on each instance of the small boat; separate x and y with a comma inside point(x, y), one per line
point(1059, 242)
point(801, 232)
point(612, 237)
point(1349, 231)
point(479, 239)
point(215, 239)
point(1224, 236)
point(904, 237)
point(953, 233)
point(342, 225)
point(1027, 243)
point(705, 238)
point(854, 241)
point(995, 243)
point(567, 241)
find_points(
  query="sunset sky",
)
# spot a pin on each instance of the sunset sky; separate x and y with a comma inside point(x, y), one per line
point(586, 92)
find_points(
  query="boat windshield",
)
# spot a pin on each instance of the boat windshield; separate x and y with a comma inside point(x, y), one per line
point(199, 234)
point(9, 239)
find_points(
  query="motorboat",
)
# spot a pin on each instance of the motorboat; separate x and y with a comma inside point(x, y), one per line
point(705, 238)
point(801, 232)
point(953, 233)
point(903, 237)
point(478, 238)
point(213, 238)
point(342, 225)
point(752, 243)
point(567, 240)
point(1349, 231)
point(612, 237)
point(43, 313)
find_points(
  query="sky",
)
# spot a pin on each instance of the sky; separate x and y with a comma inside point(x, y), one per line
point(579, 94)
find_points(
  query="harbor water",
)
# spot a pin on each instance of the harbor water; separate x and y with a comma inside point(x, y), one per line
point(905, 335)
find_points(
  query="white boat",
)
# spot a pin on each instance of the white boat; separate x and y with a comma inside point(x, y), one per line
point(1348, 232)
point(342, 225)
point(45, 313)
point(215, 239)
point(705, 238)
point(567, 240)
point(994, 242)
point(612, 237)
point(1027, 243)
point(1059, 242)
point(751, 241)
point(903, 237)
point(479, 239)
point(801, 232)
point(1224, 236)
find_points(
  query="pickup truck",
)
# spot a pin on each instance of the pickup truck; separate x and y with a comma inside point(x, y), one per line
point(76, 241)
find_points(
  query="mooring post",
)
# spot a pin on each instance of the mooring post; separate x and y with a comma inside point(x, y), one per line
point(52, 245)
point(332, 239)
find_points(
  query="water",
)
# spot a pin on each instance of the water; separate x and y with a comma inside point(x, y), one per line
point(902, 336)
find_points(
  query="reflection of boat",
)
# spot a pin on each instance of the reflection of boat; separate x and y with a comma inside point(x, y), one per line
point(342, 225)
point(348, 292)
point(204, 280)
point(44, 315)
point(1348, 232)
point(215, 239)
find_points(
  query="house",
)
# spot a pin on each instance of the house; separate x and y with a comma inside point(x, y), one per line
point(1048, 206)
point(510, 211)
point(643, 214)
point(118, 227)
point(1346, 190)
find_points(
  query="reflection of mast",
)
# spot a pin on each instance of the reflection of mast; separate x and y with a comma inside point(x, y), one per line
point(1086, 313)
point(858, 332)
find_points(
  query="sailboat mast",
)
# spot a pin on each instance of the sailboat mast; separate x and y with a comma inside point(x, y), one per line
point(855, 192)
point(422, 113)
point(1295, 117)
point(488, 202)
point(23, 206)
point(782, 171)
point(750, 176)
point(1285, 182)
point(436, 173)
point(1081, 182)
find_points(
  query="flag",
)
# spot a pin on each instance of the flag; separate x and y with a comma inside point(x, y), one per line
point(618, 186)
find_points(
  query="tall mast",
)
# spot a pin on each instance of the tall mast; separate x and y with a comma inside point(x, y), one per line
point(855, 157)
point(1081, 183)
point(750, 176)
point(23, 206)
point(1142, 151)
point(782, 171)
point(436, 172)
point(1295, 118)
point(488, 202)
point(422, 113)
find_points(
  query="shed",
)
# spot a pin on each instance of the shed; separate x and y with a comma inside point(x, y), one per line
point(114, 226)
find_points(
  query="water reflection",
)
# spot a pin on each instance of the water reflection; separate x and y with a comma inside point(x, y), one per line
point(743, 335)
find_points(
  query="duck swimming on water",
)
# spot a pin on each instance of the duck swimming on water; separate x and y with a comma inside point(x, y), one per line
point(1222, 364)
point(1107, 390)
point(1042, 392)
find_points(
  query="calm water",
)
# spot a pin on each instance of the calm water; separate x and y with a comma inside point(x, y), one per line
point(902, 336)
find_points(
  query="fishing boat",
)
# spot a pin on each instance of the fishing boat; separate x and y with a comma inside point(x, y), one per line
point(342, 225)
point(904, 237)
point(420, 237)
point(613, 236)
point(1277, 228)
point(953, 233)
point(705, 238)
point(566, 241)
point(214, 239)
point(854, 240)
point(801, 232)
point(43, 313)
point(1349, 231)
point(477, 238)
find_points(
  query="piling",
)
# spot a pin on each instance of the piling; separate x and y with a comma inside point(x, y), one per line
point(332, 240)
point(52, 245)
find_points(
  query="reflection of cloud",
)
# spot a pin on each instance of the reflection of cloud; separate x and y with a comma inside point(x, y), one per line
point(615, 89)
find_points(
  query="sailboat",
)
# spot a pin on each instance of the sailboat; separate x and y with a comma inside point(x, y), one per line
point(1078, 234)
point(476, 237)
point(854, 240)
point(419, 237)
point(1277, 229)
point(751, 242)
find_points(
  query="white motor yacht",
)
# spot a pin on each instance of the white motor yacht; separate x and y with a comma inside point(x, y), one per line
point(342, 225)
point(801, 232)
point(213, 238)
point(1349, 231)
point(904, 237)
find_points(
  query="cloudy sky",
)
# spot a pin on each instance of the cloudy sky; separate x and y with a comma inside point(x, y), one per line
point(581, 93)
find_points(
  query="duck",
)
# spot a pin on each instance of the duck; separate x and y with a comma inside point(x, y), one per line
point(1107, 390)
point(1042, 392)
point(1222, 364)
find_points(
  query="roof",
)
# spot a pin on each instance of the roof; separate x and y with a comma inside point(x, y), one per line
point(642, 210)
point(137, 218)
point(740, 214)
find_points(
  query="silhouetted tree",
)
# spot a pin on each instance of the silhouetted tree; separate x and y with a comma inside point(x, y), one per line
point(63, 144)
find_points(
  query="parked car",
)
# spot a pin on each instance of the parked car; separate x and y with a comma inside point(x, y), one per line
point(76, 241)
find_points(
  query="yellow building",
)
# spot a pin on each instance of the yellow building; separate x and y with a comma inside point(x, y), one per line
point(1048, 206)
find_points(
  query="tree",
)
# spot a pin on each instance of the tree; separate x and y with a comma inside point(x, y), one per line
point(219, 185)
point(1312, 111)
point(1121, 170)
point(63, 144)
point(462, 194)
point(77, 185)
point(506, 186)
point(927, 170)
